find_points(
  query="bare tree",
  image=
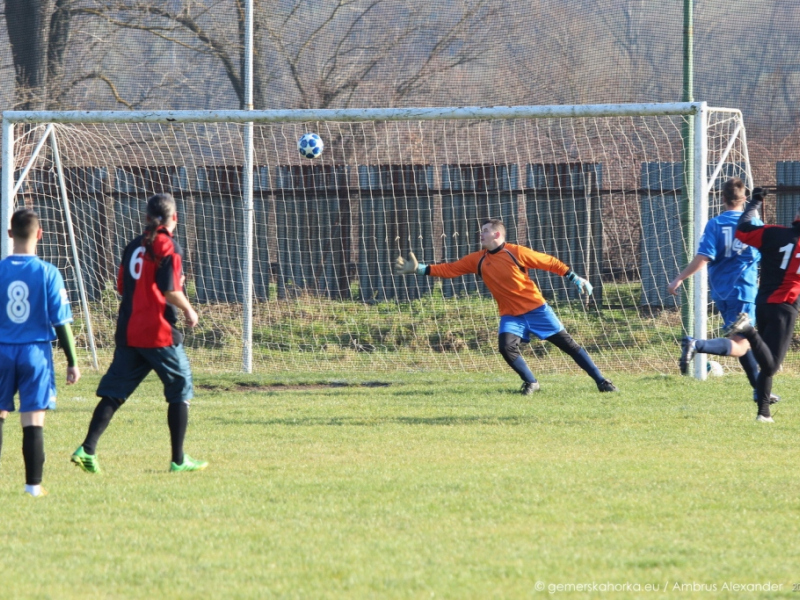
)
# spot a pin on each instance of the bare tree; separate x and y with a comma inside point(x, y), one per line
point(375, 51)
point(213, 29)
point(39, 32)
point(324, 54)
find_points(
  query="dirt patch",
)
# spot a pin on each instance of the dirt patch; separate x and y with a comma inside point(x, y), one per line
point(248, 386)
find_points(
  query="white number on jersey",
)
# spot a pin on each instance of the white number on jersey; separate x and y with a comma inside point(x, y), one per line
point(18, 307)
point(732, 245)
point(137, 262)
point(787, 255)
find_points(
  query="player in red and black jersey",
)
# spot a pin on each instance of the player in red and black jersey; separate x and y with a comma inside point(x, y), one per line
point(150, 280)
point(151, 263)
point(778, 296)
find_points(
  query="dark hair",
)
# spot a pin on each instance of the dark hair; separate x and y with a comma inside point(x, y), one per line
point(160, 207)
point(24, 223)
point(497, 225)
point(733, 191)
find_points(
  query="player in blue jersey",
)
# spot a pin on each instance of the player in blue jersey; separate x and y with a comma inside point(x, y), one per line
point(732, 279)
point(35, 312)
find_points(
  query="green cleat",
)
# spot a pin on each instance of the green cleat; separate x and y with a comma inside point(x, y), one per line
point(87, 462)
point(189, 464)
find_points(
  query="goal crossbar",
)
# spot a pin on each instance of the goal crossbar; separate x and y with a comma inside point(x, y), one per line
point(360, 114)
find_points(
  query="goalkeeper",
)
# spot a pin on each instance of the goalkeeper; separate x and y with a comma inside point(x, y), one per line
point(523, 310)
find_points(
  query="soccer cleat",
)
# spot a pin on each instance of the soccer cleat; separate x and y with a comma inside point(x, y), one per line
point(529, 387)
point(763, 419)
point(189, 464)
point(688, 350)
point(42, 492)
point(87, 462)
point(606, 386)
point(741, 326)
point(773, 398)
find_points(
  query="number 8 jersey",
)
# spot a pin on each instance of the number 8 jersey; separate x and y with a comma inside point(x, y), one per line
point(32, 300)
point(146, 319)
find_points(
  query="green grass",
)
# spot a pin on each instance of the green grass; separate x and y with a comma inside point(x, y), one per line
point(440, 486)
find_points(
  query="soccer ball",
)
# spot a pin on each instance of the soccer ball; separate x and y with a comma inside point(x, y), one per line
point(310, 145)
point(714, 369)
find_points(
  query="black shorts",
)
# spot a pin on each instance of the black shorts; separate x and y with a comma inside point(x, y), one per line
point(131, 365)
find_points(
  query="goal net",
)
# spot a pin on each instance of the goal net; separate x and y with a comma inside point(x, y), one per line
point(309, 285)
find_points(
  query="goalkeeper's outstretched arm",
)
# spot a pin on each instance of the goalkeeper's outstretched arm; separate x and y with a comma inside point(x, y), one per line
point(409, 267)
point(469, 264)
point(412, 266)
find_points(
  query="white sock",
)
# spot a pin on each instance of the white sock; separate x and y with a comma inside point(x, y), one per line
point(33, 490)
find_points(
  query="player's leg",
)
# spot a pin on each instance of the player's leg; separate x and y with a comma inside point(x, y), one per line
point(779, 321)
point(508, 344)
point(769, 320)
point(747, 359)
point(126, 372)
point(33, 448)
point(743, 326)
point(736, 346)
point(741, 347)
point(8, 386)
point(544, 324)
point(172, 366)
point(564, 342)
point(511, 332)
point(750, 366)
point(35, 371)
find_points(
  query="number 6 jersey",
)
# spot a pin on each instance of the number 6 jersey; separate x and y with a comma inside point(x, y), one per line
point(32, 300)
point(146, 319)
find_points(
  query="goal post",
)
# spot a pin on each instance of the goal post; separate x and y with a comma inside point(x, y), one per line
point(288, 259)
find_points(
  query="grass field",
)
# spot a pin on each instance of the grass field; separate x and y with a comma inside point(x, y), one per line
point(436, 486)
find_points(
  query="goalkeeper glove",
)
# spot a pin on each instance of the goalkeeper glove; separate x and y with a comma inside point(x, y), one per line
point(583, 285)
point(758, 195)
point(410, 266)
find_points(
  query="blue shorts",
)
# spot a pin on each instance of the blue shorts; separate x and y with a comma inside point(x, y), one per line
point(27, 368)
point(730, 309)
point(131, 365)
point(541, 322)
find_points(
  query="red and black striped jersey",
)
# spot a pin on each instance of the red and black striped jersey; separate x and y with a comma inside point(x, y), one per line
point(146, 320)
point(780, 257)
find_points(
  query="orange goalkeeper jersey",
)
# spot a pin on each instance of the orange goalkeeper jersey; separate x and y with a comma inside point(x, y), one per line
point(506, 278)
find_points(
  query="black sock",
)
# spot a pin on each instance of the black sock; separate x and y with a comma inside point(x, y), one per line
point(750, 366)
point(33, 453)
point(2, 420)
point(766, 361)
point(564, 342)
point(100, 419)
point(178, 420)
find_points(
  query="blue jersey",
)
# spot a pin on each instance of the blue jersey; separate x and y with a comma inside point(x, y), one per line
point(33, 300)
point(733, 270)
